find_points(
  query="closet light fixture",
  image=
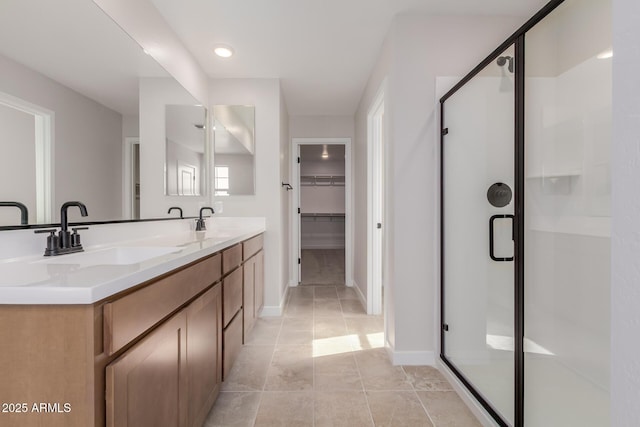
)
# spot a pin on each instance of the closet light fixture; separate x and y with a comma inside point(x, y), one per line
point(325, 153)
point(223, 51)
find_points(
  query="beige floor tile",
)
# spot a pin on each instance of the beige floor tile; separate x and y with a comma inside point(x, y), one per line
point(299, 309)
point(249, 371)
point(300, 292)
point(265, 331)
point(291, 369)
point(446, 409)
point(234, 409)
point(294, 409)
point(345, 292)
point(329, 327)
point(426, 378)
point(352, 307)
point(378, 373)
point(338, 364)
point(297, 323)
point(368, 324)
point(327, 307)
point(295, 337)
point(397, 409)
point(341, 409)
point(336, 372)
point(325, 292)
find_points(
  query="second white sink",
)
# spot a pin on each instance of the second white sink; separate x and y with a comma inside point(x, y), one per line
point(121, 255)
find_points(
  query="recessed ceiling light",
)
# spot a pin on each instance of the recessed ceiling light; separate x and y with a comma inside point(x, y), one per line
point(223, 51)
point(606, 54)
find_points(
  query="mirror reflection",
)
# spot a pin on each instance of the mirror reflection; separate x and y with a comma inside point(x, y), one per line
point(185, 133)
point(234, 150)
point(70, 116)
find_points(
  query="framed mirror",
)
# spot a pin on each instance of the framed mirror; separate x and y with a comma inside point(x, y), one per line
point(186, 150)
point(234, 150)
point(72, 123)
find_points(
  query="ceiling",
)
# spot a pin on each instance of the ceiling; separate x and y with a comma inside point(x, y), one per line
point(322, 50)
point(76, 44)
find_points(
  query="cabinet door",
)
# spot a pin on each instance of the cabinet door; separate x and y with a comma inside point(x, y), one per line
point(204, 353)
point(259, 283)
point(248, 296)
point(147, 385)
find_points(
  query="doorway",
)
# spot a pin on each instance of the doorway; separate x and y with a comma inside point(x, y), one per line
point(322, 203)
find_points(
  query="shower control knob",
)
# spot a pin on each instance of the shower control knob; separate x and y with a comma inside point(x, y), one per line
point(499, 195)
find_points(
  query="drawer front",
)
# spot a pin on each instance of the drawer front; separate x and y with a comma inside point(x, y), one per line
point(231, 258)
point(231, 296)
point(133, 314)
point(251, 247)
point(231, 344)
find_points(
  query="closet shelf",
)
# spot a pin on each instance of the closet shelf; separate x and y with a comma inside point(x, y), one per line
point(322, 180)
point(330, 216)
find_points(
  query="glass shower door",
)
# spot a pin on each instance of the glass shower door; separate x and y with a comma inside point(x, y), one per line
point(477, 226)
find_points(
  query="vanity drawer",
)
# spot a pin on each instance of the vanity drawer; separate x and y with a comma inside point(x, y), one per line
point(231, 296)
point(231, 258)
point(231, 344)
point(133, 314)
point(251, 247)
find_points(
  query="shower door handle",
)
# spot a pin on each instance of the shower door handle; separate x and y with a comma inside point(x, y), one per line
point(491, 220)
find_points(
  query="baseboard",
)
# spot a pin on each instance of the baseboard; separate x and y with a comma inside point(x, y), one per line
point(361, 297)
point(275, 310)
point(483, 417)
point(411, 358)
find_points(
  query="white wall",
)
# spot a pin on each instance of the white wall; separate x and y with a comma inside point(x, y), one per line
point(271, 169)
point(87, 143)
point(625, 241)
point(155, 94)
point(321, 127)
point(421, 48)
point(285, 196)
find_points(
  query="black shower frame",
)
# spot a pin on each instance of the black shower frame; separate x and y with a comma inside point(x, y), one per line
point(518, 40)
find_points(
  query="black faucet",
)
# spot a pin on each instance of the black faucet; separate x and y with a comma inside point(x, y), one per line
point(65, 242)
point(175, 207)
point(24, 212)
point(200, 224)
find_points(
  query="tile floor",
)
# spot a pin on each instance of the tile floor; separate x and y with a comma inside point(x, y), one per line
point(323, 364)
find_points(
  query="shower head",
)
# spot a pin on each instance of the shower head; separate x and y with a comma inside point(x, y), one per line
point(502, 60)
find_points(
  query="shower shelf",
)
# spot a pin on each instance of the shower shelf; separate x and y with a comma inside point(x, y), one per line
point(322, 180)
point(550, 175)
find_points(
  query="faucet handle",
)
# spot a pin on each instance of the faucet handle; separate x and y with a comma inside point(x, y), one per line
point(52, 241)
point(75, 237)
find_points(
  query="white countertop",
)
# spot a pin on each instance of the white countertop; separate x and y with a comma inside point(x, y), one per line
point(103, 270)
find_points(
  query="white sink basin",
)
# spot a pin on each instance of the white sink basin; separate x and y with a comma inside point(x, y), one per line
point(123, 255)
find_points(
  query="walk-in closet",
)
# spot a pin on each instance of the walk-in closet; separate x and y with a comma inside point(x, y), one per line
point(322, 207)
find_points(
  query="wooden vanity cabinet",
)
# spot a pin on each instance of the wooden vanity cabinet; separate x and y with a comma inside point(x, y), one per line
point(204, 354)
point(253, 286)
point(149, 356)
point(147, 385)
point(172, 376)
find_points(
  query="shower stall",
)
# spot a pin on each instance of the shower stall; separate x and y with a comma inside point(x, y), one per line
point(525, 221)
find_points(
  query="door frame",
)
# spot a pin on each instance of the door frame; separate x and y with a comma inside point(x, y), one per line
point(376, 136)
point(296, 143)
point(44, 145)
point(128, 181)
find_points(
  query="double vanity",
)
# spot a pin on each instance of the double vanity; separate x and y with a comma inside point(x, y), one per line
point(130, 333)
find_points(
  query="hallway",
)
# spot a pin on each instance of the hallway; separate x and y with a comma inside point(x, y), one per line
point(324, 364)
